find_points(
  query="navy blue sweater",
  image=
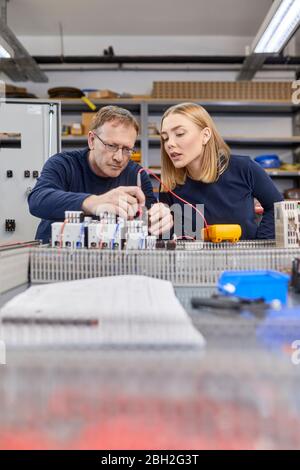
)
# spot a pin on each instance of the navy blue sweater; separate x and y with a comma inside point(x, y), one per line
point(67, 179)
point(230, 199)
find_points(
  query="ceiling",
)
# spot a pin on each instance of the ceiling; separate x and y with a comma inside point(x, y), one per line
point(137, 17)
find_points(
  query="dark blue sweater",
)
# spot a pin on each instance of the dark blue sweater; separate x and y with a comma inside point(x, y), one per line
point(230, 199)
point(67, 179)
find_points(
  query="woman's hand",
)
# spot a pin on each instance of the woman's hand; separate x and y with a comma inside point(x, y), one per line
point(160, 219)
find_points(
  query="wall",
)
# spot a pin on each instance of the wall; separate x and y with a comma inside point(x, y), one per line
point(137, 45)
point(133, 81)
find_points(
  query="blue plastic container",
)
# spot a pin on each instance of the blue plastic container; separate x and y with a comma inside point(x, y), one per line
point(268, 285)
point(279, 328)
point(268, 161)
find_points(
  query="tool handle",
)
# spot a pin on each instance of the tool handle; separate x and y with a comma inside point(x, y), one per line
point(89, 103)
point(198, 302)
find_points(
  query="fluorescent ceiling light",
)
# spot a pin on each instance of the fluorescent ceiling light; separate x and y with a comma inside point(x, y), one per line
point(279, 25)
point(6, 52)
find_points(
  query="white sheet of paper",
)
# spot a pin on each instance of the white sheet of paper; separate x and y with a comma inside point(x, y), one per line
point(130, 309)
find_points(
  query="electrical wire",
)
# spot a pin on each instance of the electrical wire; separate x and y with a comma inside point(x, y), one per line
point(82, 234)
point(115, 234)
point(173, 194)
point(62, 232)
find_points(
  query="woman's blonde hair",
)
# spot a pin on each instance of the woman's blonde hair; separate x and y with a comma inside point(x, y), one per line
point(216, 153)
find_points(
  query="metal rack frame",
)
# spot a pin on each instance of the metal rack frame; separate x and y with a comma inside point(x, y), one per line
point(183, 267)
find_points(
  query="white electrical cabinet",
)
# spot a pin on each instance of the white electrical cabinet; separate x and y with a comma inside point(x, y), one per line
point(29, 134)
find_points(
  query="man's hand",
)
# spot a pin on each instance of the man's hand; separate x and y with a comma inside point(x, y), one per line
point(123, 201)
point(160, 219)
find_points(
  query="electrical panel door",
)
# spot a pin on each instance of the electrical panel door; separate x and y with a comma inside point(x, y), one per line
point(29, 134)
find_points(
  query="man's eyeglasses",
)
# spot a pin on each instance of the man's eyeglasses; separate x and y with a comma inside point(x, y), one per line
point(114, 148)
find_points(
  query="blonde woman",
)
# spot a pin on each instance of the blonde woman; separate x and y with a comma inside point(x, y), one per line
point(198, 167)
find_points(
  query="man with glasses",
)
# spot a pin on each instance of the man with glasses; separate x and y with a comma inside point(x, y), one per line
point(98, 178)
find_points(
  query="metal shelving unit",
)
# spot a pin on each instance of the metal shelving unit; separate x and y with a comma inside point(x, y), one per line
point(79, 140)
point(147, 108)
point(158, 106)
point(255, 141)
point(72, 106)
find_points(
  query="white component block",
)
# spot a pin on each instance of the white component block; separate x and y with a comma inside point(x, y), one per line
point(94, 236)
point(151, 242)
point(56, 234)
point(287, 224)
point(73, 236)
point(135, 241)
point(74, 216)
point(105, 235)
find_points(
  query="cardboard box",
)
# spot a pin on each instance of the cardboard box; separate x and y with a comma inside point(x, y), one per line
point(14, 89)
point(243, 90)
point(102, 94)
point(76, 129)
point(86, 119)
point(141, 97)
